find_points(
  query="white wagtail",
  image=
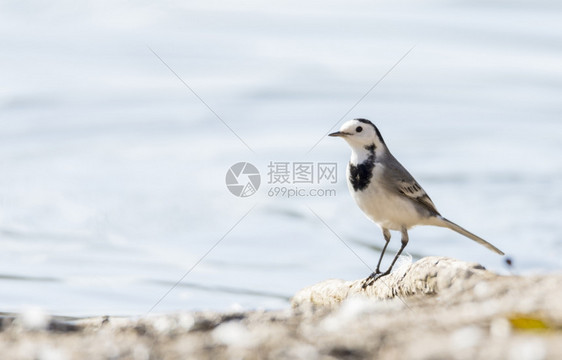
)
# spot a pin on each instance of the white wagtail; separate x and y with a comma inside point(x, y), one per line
point(386, 192)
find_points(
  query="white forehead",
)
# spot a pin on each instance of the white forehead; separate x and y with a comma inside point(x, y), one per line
point(353, 124)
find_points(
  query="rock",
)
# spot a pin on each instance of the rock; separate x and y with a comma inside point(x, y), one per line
point(436, 308)
point(430, 275)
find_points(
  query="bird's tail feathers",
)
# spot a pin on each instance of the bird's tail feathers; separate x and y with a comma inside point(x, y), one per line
point(441, 221)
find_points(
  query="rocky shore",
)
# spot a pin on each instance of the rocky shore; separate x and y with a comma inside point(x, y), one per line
point(436, 308)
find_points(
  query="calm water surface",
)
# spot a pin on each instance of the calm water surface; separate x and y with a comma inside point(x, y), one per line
point(112, 172)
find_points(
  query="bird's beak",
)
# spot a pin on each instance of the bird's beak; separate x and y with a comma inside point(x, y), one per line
point(339, 133)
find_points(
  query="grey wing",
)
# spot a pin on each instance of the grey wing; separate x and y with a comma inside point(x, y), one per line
point(405, 184)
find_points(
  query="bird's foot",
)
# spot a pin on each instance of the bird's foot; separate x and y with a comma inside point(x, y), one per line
point(370, 280)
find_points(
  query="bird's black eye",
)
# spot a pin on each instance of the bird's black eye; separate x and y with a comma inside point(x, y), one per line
point(358, 129)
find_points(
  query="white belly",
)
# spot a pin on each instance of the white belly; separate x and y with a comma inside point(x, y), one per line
point(388, 210)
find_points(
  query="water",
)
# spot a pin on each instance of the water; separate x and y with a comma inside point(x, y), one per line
point(112, 184)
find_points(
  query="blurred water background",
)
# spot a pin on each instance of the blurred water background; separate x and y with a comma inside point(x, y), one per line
point(112, 173)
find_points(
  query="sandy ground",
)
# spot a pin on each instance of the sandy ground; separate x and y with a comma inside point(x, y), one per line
point(437, 308)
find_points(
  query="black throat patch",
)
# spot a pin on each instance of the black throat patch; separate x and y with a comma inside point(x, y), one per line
point(360, 174)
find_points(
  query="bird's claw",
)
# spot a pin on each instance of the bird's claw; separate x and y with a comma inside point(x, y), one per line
point(370, 280)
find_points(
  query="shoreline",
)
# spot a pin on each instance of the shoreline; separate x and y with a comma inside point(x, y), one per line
point(436, 308)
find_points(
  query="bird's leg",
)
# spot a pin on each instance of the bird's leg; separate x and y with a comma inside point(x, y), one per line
point(386, 235)
point(369, 281)
point(373, 275)
point(404, 241)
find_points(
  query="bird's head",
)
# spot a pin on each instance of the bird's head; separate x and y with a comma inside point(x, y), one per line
point(360, 133)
